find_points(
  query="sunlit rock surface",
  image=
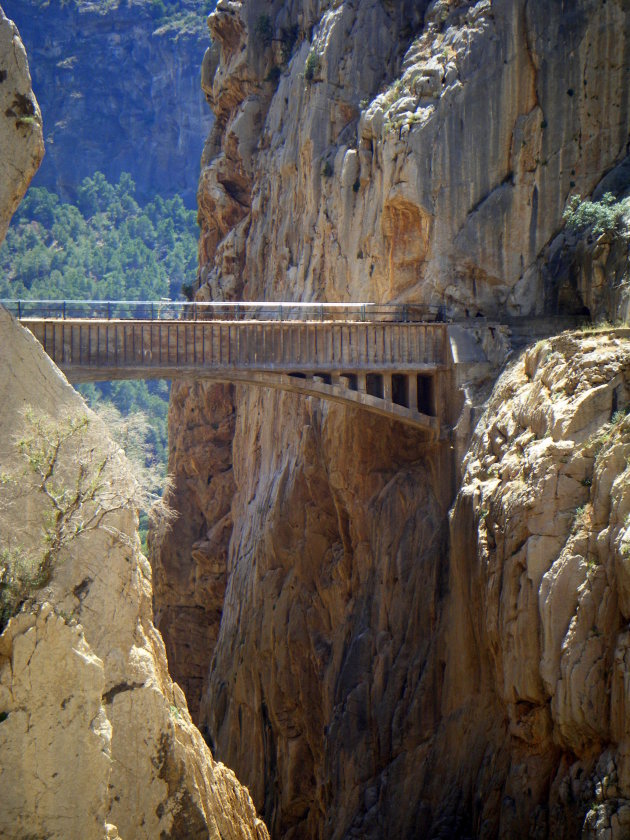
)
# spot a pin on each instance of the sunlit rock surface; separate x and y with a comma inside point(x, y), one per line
point(21, 142)
point(379, 668)
point(95, 739)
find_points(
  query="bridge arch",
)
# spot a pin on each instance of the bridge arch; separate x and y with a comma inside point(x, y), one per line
point(392, 368)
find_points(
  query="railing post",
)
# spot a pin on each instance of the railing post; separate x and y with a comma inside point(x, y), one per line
point(152, 318)
point(64, 311)
point(109, 310)
point(19, 309)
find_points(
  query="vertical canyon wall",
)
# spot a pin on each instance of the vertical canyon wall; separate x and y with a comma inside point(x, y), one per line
point(96, 740)
point(368, 664)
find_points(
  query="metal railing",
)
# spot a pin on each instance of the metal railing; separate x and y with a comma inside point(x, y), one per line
point(167, 310)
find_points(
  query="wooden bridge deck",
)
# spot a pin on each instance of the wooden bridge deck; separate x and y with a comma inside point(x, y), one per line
point(390, 368)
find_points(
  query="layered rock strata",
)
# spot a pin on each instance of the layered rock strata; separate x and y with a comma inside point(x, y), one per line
point(377, 669)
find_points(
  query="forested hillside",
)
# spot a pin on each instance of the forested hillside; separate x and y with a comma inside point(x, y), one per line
point(108, 246)
point(109, 215)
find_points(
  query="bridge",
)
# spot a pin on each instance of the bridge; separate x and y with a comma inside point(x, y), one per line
point(382, 359)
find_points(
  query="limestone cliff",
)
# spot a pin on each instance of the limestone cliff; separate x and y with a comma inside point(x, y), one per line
point(21, 143)
point(95, 739)
point(119, 81)
point(374, 667)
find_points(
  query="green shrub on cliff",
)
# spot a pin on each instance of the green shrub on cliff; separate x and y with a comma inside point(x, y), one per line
point(311, 68)
point(597, 217)
point(66, 472)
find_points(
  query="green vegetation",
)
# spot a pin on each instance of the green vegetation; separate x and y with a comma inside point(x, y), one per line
point(106, 247)
point(143, 436)
point(311, 67)
point(596, 217)
point(144, 398)
point(263, 30)
point(177, 16)
point(181, 16)
point(71, 474)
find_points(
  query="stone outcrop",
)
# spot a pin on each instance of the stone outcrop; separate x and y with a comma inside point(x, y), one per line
point(95, 739)
point(377, 669)
point(21, 142)
point(120, 82)
point(535, 626)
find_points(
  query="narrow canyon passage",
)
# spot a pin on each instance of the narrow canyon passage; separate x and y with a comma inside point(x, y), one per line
point(369, 649)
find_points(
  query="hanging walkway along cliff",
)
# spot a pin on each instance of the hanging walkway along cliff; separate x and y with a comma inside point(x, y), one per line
point(382, 358)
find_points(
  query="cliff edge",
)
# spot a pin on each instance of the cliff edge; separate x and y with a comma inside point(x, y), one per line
point(21, 137)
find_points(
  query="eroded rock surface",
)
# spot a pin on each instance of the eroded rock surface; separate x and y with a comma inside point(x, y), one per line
point(21, 139)
point(95, 739)
point(535, 627)
point(377, 672)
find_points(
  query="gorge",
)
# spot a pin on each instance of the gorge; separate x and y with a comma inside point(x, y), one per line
point(380, 634)
point(368, 663)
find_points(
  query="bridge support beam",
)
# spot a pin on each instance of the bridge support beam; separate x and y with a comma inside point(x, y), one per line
point(412, 385)
point(387, 387)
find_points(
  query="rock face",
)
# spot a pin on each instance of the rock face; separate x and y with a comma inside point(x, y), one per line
point(121, 83)
point(21, 143)
point(95, 739)
point(189, 586)
point(535, 623)
point(379, 668)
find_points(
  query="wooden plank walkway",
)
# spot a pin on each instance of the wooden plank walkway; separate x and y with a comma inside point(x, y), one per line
point(391, 368)
point(94, 347)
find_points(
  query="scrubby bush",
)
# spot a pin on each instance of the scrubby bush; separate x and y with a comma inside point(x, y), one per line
point(71, 476)
point(77, 481)
point(263, 30)
point(312, 66)
point(603, 216)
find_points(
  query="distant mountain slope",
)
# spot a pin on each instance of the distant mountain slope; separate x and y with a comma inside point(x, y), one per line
point(118, 85)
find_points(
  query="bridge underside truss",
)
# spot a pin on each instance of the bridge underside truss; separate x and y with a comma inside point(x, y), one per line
point(390, 369)
point(403, 396)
